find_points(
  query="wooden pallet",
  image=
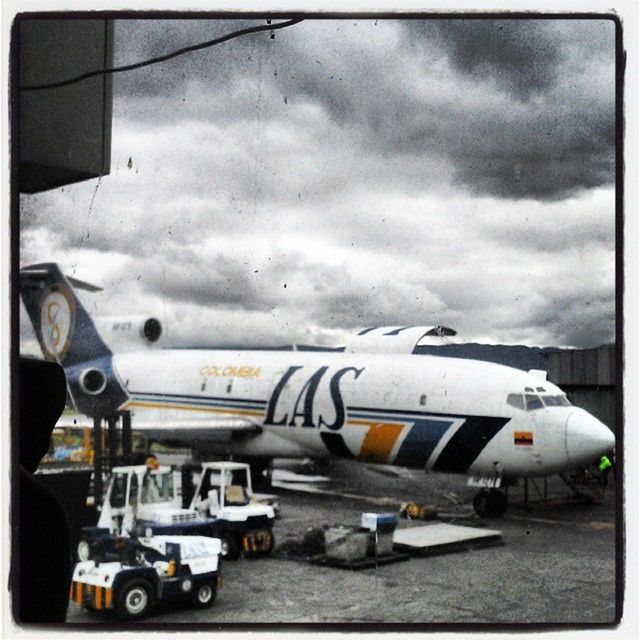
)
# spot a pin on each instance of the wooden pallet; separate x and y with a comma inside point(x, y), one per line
point(364, 563)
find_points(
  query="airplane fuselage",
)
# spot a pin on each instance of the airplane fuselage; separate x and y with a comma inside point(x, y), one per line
point(442, 414)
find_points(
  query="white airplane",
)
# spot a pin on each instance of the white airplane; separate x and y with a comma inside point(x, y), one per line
point(375, 401)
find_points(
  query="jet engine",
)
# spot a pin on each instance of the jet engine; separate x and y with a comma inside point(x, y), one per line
point(129, 331)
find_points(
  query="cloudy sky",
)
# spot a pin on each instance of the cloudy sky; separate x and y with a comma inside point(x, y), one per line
point(348, 173)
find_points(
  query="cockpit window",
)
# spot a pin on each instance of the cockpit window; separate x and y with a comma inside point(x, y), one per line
point(556, 401)
point(533, 402)
point(540, 389)
point(516, 400)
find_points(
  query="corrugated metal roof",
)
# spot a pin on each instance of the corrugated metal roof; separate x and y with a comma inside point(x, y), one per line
point(583, 367)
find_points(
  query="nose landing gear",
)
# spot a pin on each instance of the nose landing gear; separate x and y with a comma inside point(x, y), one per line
point(490, 503)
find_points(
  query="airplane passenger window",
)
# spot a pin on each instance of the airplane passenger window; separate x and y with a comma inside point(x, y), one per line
point(423, 399)
point(515, 400)
point(533, 402)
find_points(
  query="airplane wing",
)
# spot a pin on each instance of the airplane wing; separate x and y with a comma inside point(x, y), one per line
point(173, 427)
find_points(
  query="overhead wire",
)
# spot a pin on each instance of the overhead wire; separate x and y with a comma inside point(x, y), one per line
point(162, 58)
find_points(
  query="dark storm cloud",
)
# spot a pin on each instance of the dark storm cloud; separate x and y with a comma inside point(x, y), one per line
point(138, 40)
point(534, 117)
point(518, 108)
point(522, 56)
point(581, 319)
point(343, 159)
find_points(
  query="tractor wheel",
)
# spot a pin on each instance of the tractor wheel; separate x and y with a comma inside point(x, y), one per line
point(272, 544)
point(135, 599)
point(230, 546)
point(204, 595)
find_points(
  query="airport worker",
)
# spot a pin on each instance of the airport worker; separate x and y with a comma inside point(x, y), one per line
point(604, 466)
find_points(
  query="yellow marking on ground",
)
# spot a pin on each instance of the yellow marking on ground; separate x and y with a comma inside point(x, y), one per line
point(179, 407)
point(379, 441)
point(596, 524)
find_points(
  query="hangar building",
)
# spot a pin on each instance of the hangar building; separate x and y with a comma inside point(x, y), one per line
point(589, 378)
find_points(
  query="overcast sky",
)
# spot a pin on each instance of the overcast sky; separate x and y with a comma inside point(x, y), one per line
point(350, 173)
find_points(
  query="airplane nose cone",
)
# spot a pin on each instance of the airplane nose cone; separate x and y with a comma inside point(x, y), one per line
point(587, 438)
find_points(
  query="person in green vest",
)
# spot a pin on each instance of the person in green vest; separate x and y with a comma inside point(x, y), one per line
point(604, 466)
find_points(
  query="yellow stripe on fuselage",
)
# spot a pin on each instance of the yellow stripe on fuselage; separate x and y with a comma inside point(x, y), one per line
point(186, 407)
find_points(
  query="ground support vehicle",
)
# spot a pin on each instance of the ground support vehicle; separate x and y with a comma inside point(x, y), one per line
point(146, 500)
point(222, 490)
point(150, 571)
point(142, 500)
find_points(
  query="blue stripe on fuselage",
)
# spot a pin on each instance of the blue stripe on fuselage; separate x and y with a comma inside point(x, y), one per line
point(420, 442)
point(230, 403)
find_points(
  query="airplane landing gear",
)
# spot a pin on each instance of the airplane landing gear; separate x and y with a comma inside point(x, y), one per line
point(490, 503)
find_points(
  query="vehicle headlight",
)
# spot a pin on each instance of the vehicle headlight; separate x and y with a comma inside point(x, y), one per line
point(186, 585)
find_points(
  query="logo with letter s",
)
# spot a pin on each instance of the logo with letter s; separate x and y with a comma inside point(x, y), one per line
point(56, 322)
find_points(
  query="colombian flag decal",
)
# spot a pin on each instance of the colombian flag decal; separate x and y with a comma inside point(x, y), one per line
point(523, 438)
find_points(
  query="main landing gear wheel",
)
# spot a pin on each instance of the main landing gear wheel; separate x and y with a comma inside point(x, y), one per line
point(490, 503)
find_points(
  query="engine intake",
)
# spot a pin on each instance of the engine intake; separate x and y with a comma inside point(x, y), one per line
point(152, 329)
point(93, 381)
point(129, 332)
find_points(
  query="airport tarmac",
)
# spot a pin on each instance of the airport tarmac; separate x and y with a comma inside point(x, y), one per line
point(557, 564)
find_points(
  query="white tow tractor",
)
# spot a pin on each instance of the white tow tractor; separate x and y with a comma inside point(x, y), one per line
point(149, 572)
point(142, 500)
point(222, 490)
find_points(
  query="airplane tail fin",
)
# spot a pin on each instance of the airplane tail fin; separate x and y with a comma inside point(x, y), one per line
point(64, 329)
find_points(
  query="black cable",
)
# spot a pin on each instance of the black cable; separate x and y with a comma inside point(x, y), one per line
point(168, 56)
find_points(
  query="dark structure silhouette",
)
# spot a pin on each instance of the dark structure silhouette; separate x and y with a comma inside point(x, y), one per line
point(41, 554)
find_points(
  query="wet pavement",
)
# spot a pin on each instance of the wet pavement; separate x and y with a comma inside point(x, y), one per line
point(557, 565)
